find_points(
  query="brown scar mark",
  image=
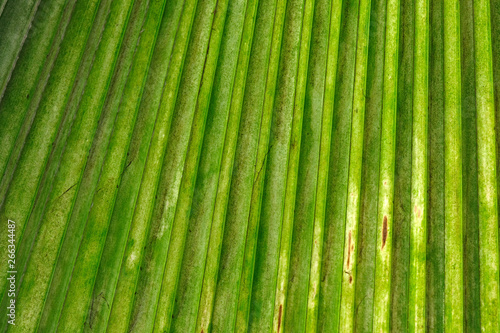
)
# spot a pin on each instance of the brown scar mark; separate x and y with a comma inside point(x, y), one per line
point(384, 232)
point(279, 317)
point(349, 251)
point(350, 276)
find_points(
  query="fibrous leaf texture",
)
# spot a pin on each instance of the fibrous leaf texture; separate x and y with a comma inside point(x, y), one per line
point(250, 166)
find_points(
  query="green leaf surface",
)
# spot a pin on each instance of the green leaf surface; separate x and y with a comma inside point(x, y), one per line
point(250, 165)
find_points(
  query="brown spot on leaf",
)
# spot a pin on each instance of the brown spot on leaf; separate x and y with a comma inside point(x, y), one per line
point(280, 313)
point(384, 232)
point(350, 279)
point(349, 251)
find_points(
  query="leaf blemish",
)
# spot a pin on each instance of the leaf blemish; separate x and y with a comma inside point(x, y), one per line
point(418, 211)
point(384, 232)
point(280, 313)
